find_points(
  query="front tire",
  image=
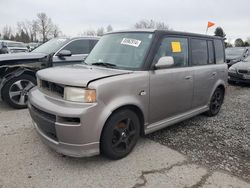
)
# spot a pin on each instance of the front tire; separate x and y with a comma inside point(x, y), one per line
point(15, 91)
point(120, 134)
point(216, 102)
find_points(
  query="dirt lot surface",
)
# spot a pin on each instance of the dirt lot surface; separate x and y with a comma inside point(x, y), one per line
point(221, 142)
point(206, 152)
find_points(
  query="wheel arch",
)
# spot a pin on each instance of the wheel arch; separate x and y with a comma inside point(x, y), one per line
point(15, 72)
point(220, 84)
point(137, 110)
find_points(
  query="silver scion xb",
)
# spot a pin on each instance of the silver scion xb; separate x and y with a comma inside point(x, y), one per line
point(131, 84)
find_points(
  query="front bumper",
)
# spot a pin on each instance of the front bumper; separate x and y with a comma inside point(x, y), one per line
point(69, 128)
point(235, 77)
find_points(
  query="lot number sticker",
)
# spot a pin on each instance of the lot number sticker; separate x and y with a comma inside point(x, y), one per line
point(176, 47)
point(131, 42)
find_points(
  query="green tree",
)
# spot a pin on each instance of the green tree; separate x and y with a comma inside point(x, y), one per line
point(239, 42)
point(246, 43)
point(219, 32)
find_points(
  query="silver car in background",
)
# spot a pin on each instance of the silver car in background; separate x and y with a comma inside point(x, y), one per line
point(240, 72)
point(132, 83)
point(8, 47)
point(236, 54)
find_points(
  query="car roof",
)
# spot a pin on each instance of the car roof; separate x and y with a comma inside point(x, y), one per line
point(169, 32)
point(10, 41)
point(84, 37)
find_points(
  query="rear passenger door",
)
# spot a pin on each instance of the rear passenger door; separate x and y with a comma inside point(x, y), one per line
point(79, 48)
point(205, 71)
point(171, 89)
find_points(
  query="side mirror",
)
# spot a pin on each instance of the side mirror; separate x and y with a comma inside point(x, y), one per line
point(64, 53)
point(164, 62)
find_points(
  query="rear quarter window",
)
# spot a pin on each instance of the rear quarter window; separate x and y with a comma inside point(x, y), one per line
point(219, 51)
point(199, 52)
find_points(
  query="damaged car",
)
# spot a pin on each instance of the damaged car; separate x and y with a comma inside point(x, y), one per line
point(235, 55)
point(18, 71)
point(240, 72)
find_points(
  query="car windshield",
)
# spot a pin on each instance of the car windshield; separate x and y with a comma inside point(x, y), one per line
point(234, 51)
point(121, 50)
point(15, 44)
point(51, 46)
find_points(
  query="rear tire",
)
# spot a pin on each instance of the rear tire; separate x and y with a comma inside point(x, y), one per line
point(120, 134)
point(216, 102)
point(15, 91)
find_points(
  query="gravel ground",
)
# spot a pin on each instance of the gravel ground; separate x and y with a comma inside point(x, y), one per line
point(219, 143)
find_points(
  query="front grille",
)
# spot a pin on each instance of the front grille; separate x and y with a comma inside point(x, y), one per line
point(44, 121)
point(241, 71)
point(44, 114)
point(51, 88)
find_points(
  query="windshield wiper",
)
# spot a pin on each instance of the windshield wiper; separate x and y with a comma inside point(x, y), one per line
point(83, 62)
point(104, 64)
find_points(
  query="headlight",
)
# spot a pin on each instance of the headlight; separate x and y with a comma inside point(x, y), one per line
point(232, 70)
point(79, 94)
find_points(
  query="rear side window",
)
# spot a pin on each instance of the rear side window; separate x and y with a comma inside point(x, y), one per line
point(199, 52)
point(176, 48)
point(219, 51)
point(78, 47)
point(210, 52)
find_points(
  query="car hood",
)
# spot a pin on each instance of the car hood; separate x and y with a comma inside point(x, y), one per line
point(242, 65)
point(78, 75)
point(21, 56)
point(232, 57)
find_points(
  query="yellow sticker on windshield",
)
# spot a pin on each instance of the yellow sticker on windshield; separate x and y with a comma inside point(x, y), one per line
point(176, 47)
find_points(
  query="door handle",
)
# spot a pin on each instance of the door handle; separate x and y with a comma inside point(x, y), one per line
point(214, 73)
point(188, 77)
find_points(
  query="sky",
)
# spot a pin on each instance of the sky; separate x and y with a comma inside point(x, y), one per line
point(76, 16)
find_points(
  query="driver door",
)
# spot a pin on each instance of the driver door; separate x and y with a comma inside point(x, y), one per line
point(171, 89)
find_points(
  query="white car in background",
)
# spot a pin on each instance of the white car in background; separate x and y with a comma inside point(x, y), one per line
point(7, 46)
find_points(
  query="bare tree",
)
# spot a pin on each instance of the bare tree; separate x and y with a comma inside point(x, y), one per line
point(26, 29)
point(35, 29)
point(100, 31)
point(90, 32)
point(7, 31)
point(45, 26)
point(109, 28)
point(151, 24)
point(56, 31)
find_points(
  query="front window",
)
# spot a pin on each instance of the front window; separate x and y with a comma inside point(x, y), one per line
point(51, 46)
point(78, 47)
point(174, 47)
point(121, 50)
